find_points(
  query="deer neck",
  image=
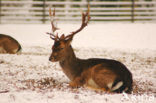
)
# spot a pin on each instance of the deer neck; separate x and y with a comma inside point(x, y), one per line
point(70, 64)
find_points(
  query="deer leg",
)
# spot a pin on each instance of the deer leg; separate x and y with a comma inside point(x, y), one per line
point(11, 48)
point(91, 84)
point(2, 50)
point(103, 77)
point(77, 82)
point(98, 89)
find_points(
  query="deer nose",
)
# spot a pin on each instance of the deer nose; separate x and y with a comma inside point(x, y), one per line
point(49, 58)
point(52, 58)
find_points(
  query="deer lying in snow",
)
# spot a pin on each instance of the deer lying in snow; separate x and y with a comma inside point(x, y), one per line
point(99, 74)
point(9, 44)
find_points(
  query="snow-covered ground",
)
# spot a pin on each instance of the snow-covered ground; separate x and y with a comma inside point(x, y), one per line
point(30, 78)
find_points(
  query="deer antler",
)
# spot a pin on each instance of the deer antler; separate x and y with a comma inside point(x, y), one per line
point(54, 28)
point(85, 20)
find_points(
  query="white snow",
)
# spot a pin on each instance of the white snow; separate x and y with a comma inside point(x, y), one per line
point(31, 78)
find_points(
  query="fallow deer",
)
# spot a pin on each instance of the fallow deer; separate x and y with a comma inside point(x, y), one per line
point(9, 45)
point(99, 74)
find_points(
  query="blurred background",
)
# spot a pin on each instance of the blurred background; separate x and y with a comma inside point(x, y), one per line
point(36, 11)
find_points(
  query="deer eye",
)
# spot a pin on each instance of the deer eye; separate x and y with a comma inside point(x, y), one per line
point(61, 48)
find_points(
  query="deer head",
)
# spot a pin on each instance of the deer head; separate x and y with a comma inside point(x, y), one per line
point(63, 43)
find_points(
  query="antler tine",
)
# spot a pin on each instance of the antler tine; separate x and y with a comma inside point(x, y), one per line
point(84, 22)
point(52, 36)
point(54, 28)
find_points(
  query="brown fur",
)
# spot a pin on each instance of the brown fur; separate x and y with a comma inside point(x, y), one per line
point(100, 72)
point(9, 44)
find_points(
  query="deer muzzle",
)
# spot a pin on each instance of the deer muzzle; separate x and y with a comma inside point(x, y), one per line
point(53, 58)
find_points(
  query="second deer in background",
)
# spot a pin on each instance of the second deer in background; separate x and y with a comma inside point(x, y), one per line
point(9, 45)
point(99, 74)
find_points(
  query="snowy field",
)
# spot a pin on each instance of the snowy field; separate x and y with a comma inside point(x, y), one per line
point(30, 78)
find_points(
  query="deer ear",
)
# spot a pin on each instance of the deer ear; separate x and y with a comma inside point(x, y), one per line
point(69, 40)
point(62, 37)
